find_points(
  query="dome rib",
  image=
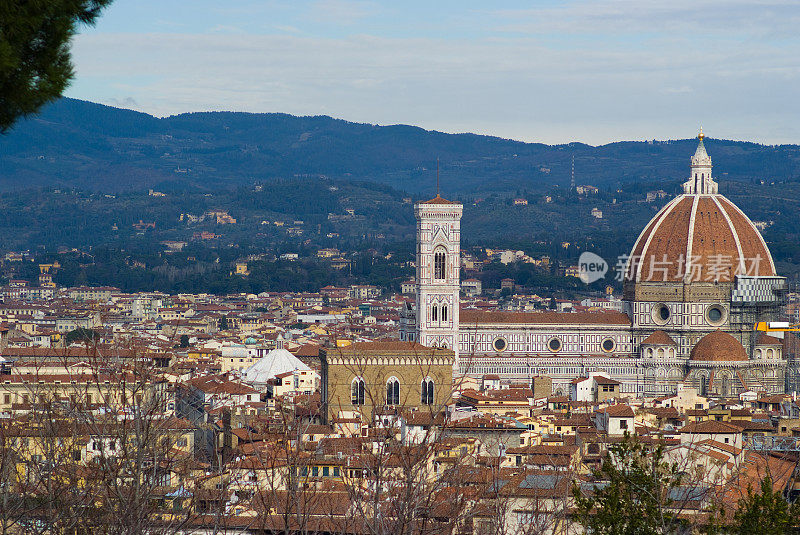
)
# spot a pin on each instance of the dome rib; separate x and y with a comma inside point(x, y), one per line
point(724, 212)
point(742, 222)
point(659, 220)
point(699, 236)
point(690, 239)
point(706, 228)
point(716, 244)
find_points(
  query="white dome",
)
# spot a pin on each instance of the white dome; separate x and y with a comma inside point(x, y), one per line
point(274, 363)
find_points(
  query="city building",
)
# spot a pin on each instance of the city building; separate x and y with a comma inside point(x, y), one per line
point(369, 377)
point(698, 278)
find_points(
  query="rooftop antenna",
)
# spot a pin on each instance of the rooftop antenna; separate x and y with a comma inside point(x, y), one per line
point(437, 176)
point(572, 179)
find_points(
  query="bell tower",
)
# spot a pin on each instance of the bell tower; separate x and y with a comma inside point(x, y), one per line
point(438, 266)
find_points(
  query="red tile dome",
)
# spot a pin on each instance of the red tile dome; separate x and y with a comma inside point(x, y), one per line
point(705, 227)
point(718, 346)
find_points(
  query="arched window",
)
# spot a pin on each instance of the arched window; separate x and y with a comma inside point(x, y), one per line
point(439, 264)
point(444, 312)
point(357, 391)
point(426, 391)
point(393, 391)
point(435, 313)
point(703, 385)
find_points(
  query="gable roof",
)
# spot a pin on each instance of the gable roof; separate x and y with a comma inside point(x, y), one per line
point(711, 427)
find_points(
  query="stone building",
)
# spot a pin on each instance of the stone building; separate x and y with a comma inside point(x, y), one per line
point(373, 378)
point(697, 279)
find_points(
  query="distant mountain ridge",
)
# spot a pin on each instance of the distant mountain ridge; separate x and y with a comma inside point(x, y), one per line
point(81, 144)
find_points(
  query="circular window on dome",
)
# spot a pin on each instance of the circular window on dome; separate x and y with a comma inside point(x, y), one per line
point(661, 314)
point(608, 345)
point(554, 344)
point(499, 344)
point(715, 315)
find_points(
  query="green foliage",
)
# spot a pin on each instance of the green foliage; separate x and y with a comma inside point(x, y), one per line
point(632, 494)
point(766, 512)
point(35, 63)
point(184, 340)
point(80, 335)
point(87, 145)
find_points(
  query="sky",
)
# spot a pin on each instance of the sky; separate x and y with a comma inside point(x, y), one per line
point(537, 71)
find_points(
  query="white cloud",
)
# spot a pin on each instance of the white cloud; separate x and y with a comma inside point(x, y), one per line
point(343, 12)
point(518, 87)
point(736, 18)
point(677, 90)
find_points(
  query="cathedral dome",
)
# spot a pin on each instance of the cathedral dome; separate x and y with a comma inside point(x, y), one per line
point(704, 227)
point(718, 346)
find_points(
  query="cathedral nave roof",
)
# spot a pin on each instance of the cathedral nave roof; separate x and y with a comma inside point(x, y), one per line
point(607, 317)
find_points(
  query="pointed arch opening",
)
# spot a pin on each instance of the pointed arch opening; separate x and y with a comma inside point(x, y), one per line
point(427, 391)
point(357, 388)
point(440, 263)
point(393, 391)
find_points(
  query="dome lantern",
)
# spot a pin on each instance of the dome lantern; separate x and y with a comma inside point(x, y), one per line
point(699, 236)
point(700, 181)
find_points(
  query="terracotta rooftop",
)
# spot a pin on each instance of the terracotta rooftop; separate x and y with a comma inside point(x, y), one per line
point(392, 346)
point(716, 227)
point(599, 379)
point(659, 338)
point(607, 317)
point(766, 340)
point(711, 427)
point(718, 346)
point(307, 350)
point(619, 411)
point(438, 200)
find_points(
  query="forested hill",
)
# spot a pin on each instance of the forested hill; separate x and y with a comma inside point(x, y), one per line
point(81, 144)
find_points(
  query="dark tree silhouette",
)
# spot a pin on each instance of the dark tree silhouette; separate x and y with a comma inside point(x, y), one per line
point(35, 62)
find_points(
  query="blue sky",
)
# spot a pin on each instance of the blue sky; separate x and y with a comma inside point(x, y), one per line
point(553, 72)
